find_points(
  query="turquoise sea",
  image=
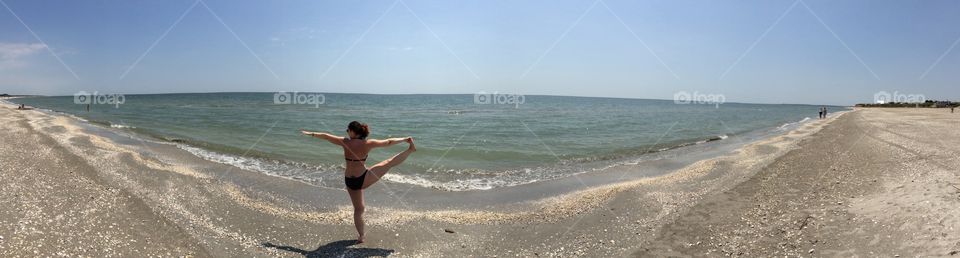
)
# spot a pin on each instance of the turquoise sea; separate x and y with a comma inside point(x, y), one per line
point(465, 141)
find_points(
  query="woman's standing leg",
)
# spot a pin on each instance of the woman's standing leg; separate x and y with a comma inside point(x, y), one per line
point(356, 197)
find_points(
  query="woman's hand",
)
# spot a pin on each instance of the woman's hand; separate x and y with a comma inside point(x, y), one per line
point(306, 132)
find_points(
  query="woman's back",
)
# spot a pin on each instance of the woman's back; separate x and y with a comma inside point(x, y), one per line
point(355, 152)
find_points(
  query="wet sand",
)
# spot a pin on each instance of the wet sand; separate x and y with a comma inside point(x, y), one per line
point(155, 199)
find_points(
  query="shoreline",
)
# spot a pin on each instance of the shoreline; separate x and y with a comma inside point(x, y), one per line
point(670, 160)
point(282, 155)
point(235, 214)
point(680, 154)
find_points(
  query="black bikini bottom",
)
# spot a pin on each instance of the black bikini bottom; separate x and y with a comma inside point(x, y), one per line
point(355, 183)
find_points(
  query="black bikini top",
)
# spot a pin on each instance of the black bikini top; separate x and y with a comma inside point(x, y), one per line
point(349, 159)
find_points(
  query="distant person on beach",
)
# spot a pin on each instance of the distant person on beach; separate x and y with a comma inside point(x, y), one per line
point(820, 114)
point(357, 176)
point(825, 112)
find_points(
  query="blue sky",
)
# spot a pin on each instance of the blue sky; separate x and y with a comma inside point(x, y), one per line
point(769, 51)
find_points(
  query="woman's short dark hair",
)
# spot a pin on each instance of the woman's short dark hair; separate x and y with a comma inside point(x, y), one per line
point(360, 129)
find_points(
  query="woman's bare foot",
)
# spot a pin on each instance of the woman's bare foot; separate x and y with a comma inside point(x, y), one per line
point(360, 240)
point(412, 146)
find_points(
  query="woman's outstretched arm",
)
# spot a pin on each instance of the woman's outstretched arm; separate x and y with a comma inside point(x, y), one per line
point(387, 142)
point(329, 137)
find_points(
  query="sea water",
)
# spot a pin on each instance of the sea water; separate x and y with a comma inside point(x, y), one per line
point(464, 142)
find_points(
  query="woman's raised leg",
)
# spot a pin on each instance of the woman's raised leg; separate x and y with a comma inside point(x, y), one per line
point(377, 171)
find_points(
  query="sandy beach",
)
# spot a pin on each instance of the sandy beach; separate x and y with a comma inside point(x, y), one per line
point(878, 182)
point(868, 182)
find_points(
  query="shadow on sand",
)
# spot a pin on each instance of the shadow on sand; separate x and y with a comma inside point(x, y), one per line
point(336, 249)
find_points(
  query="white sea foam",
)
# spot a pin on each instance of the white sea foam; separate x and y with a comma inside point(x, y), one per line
point(459, 184)
point(310, 174)
point(315, 174)
point(66, 114)
point(787, 126)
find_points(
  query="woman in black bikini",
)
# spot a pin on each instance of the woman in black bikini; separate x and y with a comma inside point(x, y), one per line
point(356, 175)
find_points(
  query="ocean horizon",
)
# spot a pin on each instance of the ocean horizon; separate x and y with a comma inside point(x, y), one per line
point(402, 94)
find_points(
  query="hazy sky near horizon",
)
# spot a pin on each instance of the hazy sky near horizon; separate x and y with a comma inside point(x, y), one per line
point(761, 51)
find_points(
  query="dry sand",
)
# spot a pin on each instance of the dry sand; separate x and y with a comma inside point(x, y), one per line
point(880, 182)
point(55, 204)
point(76, 193)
